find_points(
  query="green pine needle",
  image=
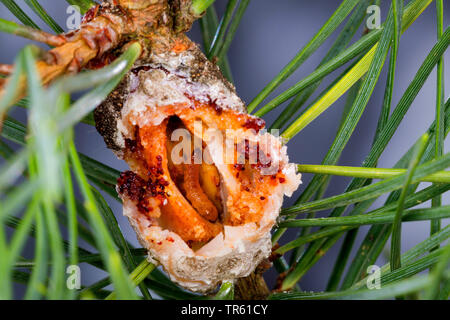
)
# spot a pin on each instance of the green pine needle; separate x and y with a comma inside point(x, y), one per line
point(54, 195)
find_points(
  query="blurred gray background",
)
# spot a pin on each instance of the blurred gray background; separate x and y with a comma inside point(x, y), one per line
point(271, 33)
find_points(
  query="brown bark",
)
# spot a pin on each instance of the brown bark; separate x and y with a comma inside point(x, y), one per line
point(253, 287)
point(108, 27)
